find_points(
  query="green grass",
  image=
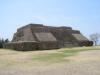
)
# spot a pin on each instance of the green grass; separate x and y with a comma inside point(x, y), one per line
point(55, 57)
point(62, 53)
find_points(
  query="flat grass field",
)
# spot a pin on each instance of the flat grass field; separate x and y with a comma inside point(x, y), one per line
point(46, 56)
point(46, 62)
point(61, 54)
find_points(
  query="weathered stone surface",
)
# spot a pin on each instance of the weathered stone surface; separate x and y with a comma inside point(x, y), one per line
point(39, 37)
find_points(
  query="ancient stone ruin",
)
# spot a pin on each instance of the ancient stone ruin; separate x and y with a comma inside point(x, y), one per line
point(40, 37)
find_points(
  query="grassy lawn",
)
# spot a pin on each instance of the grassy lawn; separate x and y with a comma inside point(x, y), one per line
point(50, 62)
point(11, 57)
point(62, 53)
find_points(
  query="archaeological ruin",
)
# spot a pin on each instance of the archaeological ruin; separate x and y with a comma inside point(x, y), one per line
point(41, 37)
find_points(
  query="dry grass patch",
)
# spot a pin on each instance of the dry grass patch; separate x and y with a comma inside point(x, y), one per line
point(9, 58)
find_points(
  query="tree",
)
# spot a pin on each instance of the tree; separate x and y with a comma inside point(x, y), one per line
point(95, 38)
point(7, 40)
point(2, 42)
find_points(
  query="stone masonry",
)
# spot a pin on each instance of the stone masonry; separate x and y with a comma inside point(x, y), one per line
point(40, 37)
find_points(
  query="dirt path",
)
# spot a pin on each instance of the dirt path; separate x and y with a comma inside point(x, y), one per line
point(85, 63)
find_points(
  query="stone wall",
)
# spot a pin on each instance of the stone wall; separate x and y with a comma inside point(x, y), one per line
point(28, 46)
point(48, 45)
point(22, 46)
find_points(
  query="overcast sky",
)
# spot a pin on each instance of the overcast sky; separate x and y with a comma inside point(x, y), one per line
point(83, 15)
